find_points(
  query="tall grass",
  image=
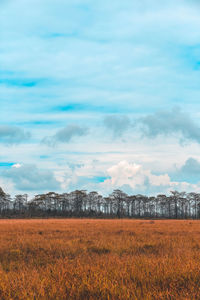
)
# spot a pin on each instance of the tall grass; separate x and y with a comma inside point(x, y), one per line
point(99, 259)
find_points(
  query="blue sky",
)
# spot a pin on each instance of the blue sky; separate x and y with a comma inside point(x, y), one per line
point(99, 95)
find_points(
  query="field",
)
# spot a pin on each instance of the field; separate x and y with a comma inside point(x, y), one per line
point(99, 259)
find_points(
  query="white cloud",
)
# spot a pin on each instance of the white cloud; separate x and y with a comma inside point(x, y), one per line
point(16, 166)
point(134, 175)
point(134, 178)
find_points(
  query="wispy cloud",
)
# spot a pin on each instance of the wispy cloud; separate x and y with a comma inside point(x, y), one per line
point(170, 122)
point(117, 125)
point(65, 135)
point(13, 135)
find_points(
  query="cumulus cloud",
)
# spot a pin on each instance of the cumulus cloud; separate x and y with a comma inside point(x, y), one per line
point(65, 135)
point(189, 171)
point(117, 124)
point(134, 178)
point(191, 166)
point(170, 122)
point(30, 178)
point(13, 134)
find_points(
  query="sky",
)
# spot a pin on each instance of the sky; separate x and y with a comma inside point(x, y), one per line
point(99, 95)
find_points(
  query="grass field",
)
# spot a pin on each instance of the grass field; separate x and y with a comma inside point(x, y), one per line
point(99, 259)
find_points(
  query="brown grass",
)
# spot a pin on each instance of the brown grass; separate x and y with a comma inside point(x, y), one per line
point(99, 259)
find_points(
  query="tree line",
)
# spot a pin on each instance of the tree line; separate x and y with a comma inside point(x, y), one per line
point(80, 203)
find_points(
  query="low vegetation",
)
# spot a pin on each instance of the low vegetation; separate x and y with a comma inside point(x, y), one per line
point(99, 259)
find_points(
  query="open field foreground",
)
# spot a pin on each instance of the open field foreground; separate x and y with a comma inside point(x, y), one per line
point(99, 259)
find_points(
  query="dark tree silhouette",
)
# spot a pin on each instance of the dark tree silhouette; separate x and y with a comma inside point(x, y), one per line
point(79, 203)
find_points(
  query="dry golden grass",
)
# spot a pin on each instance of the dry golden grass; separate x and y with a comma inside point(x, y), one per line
point(99, 259)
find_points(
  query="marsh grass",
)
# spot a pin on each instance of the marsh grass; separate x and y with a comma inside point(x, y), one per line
point(99, 259)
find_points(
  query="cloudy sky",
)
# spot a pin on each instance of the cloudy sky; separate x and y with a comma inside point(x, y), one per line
point(99, 95)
